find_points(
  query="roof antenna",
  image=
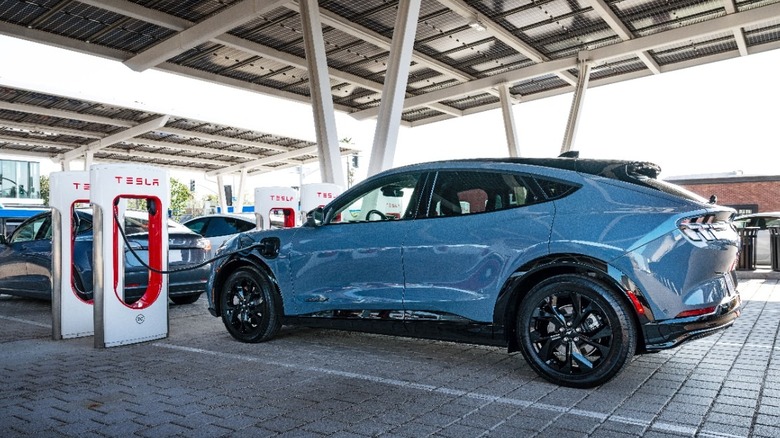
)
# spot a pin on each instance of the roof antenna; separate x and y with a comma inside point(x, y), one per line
point(570, 154)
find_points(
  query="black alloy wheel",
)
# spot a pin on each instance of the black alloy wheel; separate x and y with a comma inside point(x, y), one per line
point(575, 331)
point(250, 305)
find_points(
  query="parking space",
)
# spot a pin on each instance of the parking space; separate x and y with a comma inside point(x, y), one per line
point(307, 382)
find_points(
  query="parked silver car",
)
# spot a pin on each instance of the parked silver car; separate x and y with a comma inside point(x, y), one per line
point(220, 227)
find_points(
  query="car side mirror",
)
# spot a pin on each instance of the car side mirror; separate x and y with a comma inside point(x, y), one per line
point(315, 217)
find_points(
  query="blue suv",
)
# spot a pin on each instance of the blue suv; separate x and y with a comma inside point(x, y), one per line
point(579, 264)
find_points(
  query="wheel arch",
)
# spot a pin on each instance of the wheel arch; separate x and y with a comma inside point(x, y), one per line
point(251, 260)
point(529, 275)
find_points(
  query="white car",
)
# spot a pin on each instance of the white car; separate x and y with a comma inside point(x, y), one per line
point(218, 228)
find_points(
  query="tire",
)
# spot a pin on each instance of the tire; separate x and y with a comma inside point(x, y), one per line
point(250, 305)
point(185, 299)
point(575, 331)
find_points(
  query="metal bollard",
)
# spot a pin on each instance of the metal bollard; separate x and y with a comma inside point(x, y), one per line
point(747, 249)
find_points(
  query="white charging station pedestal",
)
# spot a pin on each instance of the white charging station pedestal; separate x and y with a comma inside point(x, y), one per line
point(317, 195)
point(117, 322)
point(270, 201)
point(72, 315)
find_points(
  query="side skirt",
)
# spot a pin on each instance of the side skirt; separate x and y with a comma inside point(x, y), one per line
point(451, 331)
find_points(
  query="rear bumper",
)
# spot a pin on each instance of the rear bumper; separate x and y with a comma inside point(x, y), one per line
point(670, 333)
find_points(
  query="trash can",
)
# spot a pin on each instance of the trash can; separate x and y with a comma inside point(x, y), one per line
point(774, 247)
point(747, 249)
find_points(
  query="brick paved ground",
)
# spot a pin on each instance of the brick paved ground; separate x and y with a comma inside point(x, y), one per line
point(316, 383)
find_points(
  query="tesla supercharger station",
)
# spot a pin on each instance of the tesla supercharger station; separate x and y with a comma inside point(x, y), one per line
point(274, 201)
point(317, 195)
point(72, 315)
point(117, 322)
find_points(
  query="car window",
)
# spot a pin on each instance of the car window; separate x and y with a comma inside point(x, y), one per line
point(197, 225)
point(240, 225)
point(468, 192)
point(34, 230)
point(84, 225)
point(393, 198)
point(219, 226)
point(772, 222)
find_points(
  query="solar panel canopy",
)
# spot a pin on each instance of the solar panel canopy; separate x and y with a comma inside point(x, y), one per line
point(465, 53)
point(41, 124)
point(463, 49)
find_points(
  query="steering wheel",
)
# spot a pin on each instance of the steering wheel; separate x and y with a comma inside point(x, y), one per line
point(381, 215)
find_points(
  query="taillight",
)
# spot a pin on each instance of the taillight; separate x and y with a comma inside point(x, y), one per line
point(204, 244)
point(701, 227)
point(696, 312)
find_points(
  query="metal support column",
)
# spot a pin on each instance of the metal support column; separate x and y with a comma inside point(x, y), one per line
point(221, 194)
point(394, 89)
point(509, 120)
point(322, 100)
point(238, 208)
point(576, 104)
point(89, 157)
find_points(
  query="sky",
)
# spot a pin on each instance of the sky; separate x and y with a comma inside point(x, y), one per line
point(711, 119)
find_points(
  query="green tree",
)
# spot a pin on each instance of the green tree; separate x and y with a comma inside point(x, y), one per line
point(180, 198)
point(44, 184)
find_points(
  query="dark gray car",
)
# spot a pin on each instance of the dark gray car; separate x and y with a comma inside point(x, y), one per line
point(25, 259)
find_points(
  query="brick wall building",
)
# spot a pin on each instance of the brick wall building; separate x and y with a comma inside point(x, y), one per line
point(747, 194)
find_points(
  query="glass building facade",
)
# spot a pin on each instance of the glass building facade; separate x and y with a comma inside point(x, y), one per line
point(20, 182)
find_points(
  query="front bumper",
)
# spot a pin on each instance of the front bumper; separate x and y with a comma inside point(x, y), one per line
point(660, 335)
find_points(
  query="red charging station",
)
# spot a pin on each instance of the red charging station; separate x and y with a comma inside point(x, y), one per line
point(111, 187)
point(276, 201)
point(72, 315)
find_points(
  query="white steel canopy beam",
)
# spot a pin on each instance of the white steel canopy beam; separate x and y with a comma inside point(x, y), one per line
point(265, 160)
point(262, 170)
point(62, 114)
point(223, 139)
point(33, 142)
point(609, 16)
point(333, 20)
point(746, 18)
point(178, 24)
point(127, 134)
point(739, 36)
point(463, 9)
point(49, 129)
point(509, 121)
point(576, 104)
point(207, 29)
point(322, 100)
point(396, 78)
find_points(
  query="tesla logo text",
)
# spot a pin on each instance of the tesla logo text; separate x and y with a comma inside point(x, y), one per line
point(137, 181)
point(326, 195)
point(140, 318)
point(81, 186)
point(281, 198)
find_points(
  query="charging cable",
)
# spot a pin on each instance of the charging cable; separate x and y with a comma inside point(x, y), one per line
point(188, 268)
